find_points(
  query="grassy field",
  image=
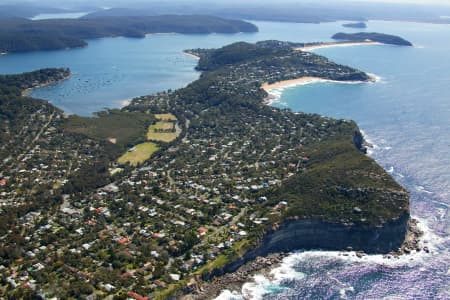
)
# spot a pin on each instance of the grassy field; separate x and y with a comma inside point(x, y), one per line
point(164, 130)
point(165, 117)
point(163, 126)
point(139, 154)
point(117, 126)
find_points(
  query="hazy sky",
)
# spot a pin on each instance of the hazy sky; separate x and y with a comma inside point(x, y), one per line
point(130, 3)
point(444, 2)
point(93, 2)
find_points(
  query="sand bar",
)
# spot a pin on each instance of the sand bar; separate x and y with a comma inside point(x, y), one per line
point(341, 44)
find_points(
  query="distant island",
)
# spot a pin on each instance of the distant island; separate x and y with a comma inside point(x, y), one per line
point(355, 25)
point(152, 200)
point(21, 35)
point(372, 36)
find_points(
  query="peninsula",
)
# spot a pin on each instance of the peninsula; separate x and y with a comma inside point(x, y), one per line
point(179, 187)
point(374, 37)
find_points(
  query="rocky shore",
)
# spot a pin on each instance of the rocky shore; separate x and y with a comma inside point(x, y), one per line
point(412, 241)
point(234, 281)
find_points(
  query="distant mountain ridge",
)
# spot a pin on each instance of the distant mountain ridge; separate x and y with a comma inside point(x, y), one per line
point(20, 35)
point(26, 11)
point(288, 12)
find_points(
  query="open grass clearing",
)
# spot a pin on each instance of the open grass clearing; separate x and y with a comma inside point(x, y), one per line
point(163, 131)
point(165, 117)
point(139, 154)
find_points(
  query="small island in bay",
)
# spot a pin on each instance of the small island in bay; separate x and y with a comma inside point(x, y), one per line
point(372, 36)
point(180, 187)
point(355, 25)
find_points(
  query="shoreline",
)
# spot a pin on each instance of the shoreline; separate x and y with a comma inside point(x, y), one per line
point(123, 103)
point(336, 44)
point(234, 282)
point(274, 90)
point(243, 281)
point(192, 55)
point(27, 92)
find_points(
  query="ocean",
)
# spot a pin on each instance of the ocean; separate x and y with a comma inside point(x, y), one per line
point(405, 115)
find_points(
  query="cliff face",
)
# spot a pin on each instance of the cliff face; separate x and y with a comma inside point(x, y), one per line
point(316, 234)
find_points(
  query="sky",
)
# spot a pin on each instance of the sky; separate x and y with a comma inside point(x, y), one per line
point(441, 2)
point(426, 2)
point(342, 4)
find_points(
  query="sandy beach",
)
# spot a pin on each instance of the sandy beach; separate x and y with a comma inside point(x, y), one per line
point(125, 102)
point(28, 91)
point(275, 89)
point(342, 44)
point(192, 55)
point(292, 82)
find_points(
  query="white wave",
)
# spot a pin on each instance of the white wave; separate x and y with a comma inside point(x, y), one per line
point(398, 175)
point(373, 147)
point(286, 271)
point(261, 285)
point(430, 239)
point(256, 289)
point(422, 189)
point(229, 295)
point(376, 78)
point(343, 292)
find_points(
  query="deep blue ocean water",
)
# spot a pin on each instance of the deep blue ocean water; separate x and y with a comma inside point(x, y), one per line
point(406, 115)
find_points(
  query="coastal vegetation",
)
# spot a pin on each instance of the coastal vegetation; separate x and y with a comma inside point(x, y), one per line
point(14, 85)
point(119, 127)
point(20, 35)
point(181, 211)
point(372, 36)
